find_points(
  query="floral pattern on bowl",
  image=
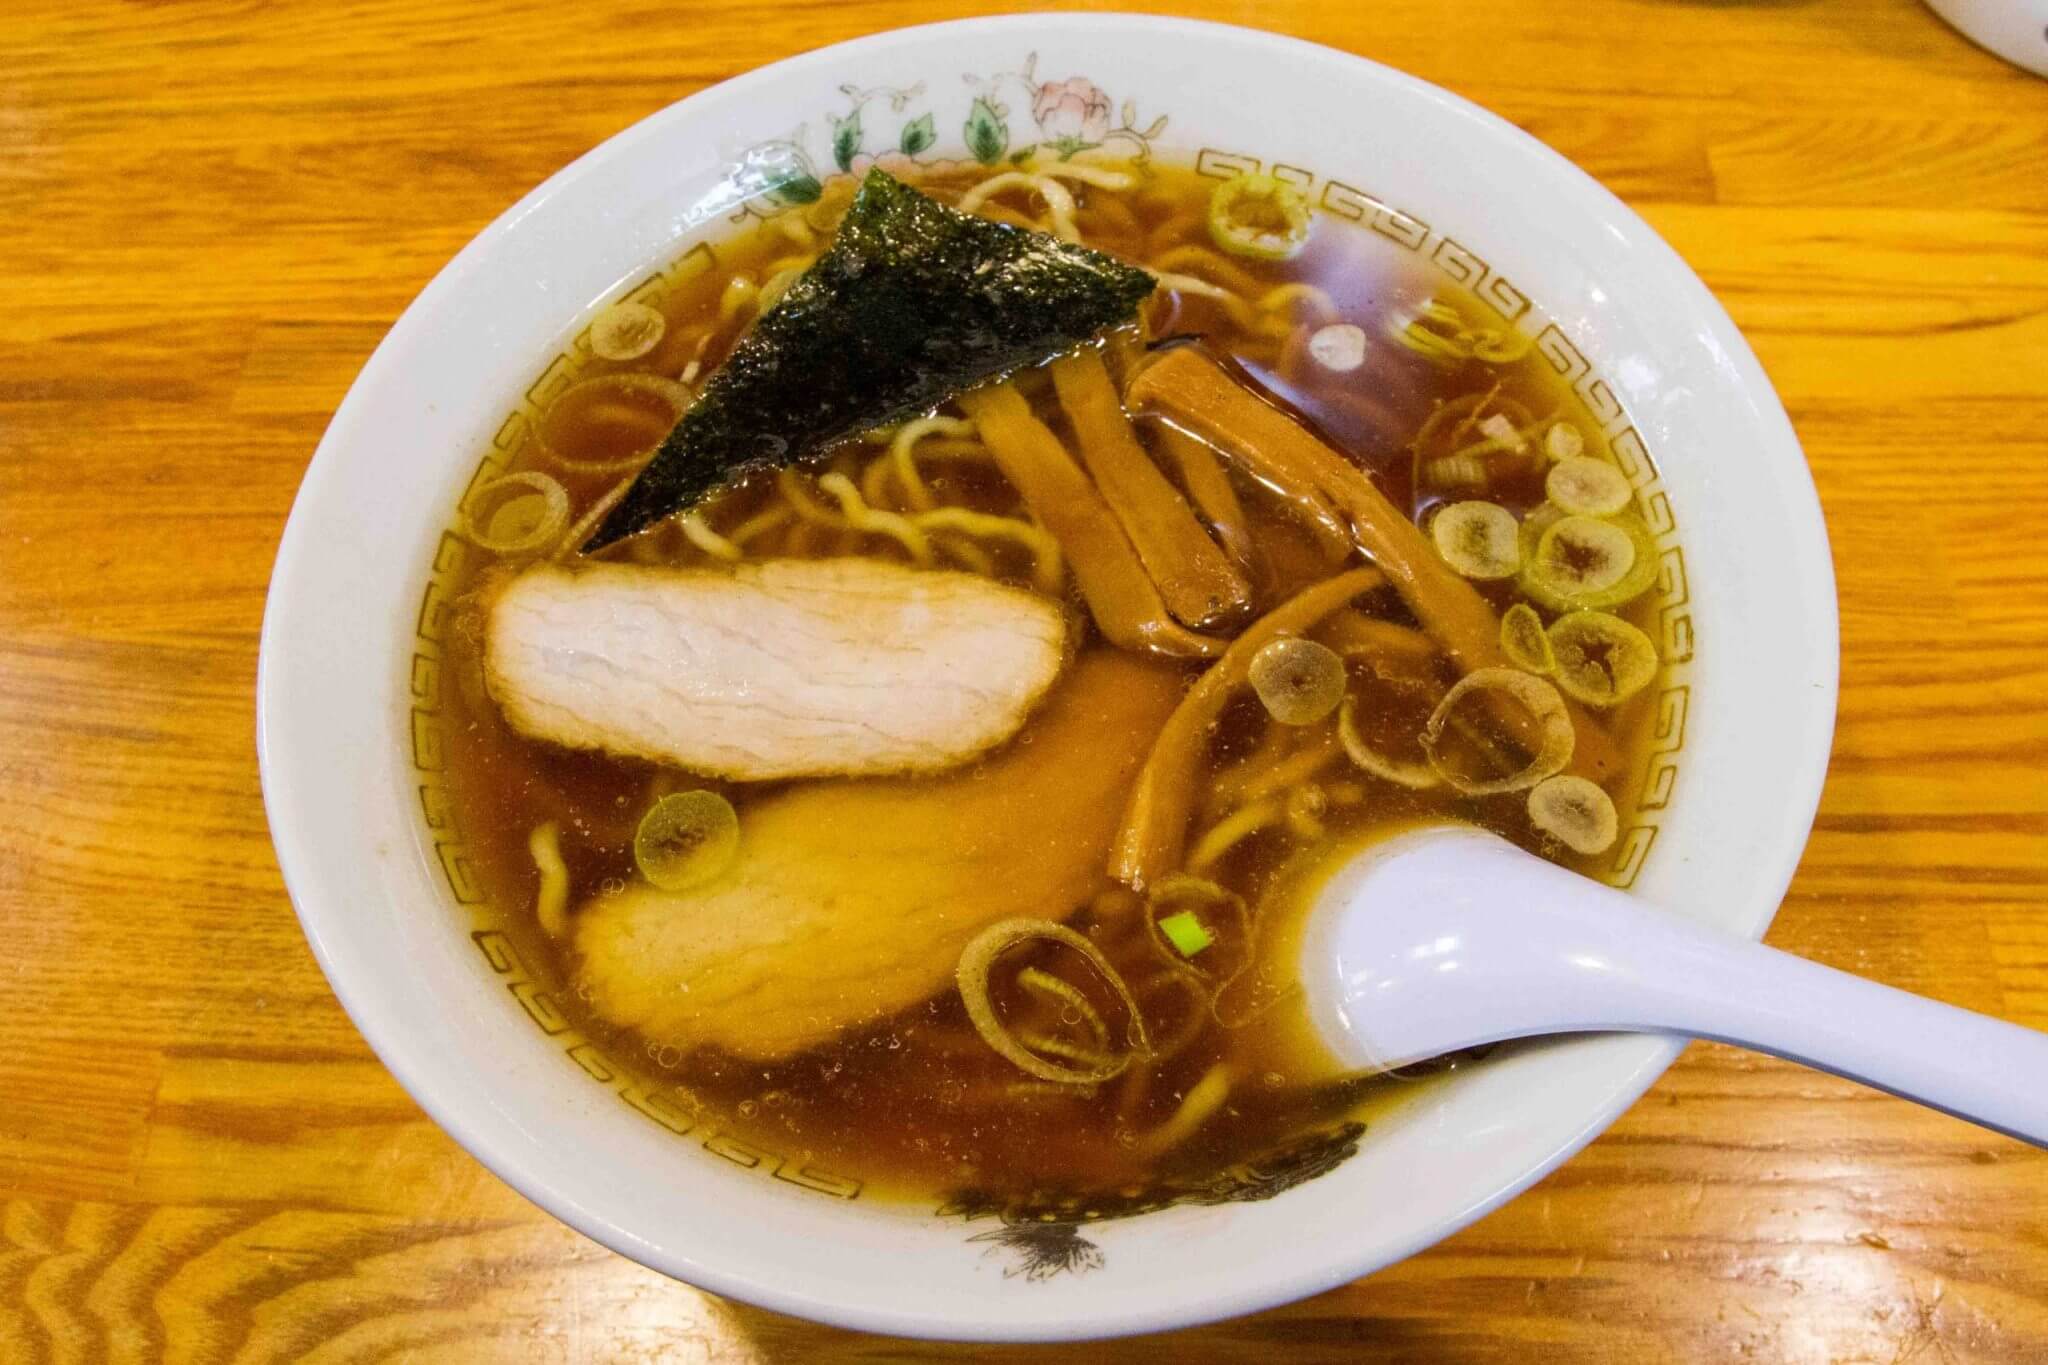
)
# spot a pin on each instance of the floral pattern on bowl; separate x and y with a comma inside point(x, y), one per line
point(898, 129)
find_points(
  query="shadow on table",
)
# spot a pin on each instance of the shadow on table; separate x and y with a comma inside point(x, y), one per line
point(1315, 1329)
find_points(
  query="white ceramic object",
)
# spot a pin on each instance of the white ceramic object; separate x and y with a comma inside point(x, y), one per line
point(2016, 30)
point(344, 682)
point(1450, 937)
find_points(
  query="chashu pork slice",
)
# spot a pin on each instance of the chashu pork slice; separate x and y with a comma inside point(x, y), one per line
point(851, 901)
point(784, 668)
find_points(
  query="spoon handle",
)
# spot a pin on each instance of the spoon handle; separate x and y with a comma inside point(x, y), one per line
point(1505, 945)
point(1963, 1063)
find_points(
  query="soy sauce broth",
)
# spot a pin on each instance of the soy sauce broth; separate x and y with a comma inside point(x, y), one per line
point(919, 1107)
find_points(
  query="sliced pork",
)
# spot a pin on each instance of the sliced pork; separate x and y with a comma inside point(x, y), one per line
point(851, 901)
point(785, 668)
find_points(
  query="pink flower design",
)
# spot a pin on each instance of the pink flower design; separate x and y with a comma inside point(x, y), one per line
point(1072, 110)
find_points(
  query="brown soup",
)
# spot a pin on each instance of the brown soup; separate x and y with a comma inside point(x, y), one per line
point(1417, 382)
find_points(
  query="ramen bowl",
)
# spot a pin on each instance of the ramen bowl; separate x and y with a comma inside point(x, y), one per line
point(351, 686)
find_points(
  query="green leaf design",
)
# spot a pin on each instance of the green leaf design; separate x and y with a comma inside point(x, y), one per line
point(798, 188)
point(778, 172)
point(987, 134)
point(918, 135)
point(846, 140)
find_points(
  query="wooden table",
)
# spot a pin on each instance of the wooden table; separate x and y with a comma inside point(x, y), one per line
point(209, 213)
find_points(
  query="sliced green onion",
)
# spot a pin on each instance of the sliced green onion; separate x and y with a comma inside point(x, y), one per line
point(686, 839)
point(977, 962)
point(1069, 1000)
point(1602, 660)
point(1578, 563)
point(1414, 776)
point(1575, 812)
point(1052, 1045)
point(1298, 681)
point(517, 513)
point(626, 331)
point(1218, 904)
point(1464, 473)
point(1522, 639)
point(1185, 933)
point(612, 423)
point(1563, 441)
point(1584, 486)
point(1258, 216)
point(1543, 704)
point(1478, 539)
point(1583, 555)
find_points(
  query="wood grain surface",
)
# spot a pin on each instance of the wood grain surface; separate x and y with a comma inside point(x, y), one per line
point(210, 210)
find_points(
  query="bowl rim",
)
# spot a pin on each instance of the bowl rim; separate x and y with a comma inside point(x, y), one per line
point(1646, 1058)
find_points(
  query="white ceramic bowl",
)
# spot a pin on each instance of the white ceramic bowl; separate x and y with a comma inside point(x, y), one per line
point(2016, 30)
point(349, 673)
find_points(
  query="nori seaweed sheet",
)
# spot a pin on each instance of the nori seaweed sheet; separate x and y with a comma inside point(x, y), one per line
point(912, 303)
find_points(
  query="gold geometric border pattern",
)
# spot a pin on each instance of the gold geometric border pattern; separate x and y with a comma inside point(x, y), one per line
point(540, 1006)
